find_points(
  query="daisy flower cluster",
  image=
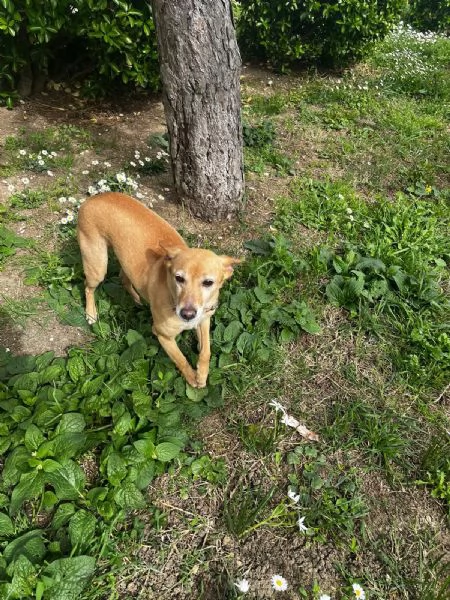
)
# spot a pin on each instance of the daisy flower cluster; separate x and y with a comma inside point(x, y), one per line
point(120, 182)
point(280, 584)
point(69, 205)
point(150, 165)
point(38, 162)
point(404, 56)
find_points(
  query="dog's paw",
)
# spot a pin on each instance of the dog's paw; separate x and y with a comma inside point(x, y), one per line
point(90, 319)
point(201, 379)
point(201, 382)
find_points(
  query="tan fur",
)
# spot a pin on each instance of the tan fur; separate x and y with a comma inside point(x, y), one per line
point(153, 256)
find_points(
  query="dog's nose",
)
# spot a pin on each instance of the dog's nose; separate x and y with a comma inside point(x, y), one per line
point(188, 313)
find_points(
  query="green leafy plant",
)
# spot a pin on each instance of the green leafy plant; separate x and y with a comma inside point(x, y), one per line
point(28, 199)
point(113, 42)
point(256, 136)
point(9, 242)
point(335, 32)
point(428, 15)
point(328, 497)
point(435, 469)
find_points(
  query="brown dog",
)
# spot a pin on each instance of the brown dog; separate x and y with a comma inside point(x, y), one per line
point(180, 283)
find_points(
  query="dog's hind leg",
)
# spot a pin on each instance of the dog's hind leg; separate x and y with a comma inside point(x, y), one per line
point(129, 287)
point(94, 254)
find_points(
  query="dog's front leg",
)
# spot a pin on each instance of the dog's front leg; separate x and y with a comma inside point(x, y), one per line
point(204, 356)
point(174, 353)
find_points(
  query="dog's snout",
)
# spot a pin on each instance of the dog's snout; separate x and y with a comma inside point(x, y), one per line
point(188, 313)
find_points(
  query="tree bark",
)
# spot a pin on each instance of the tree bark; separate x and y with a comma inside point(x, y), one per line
point(200, 71)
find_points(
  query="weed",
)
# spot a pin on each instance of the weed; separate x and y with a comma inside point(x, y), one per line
point(328, 497)
point(28, 199)
point(244, 509)
point(263, 105)
point(257, 136)
point(435, 469)
point(9, 242)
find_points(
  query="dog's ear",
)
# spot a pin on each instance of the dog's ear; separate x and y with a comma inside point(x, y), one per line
point(169, 252)
point(228, 262)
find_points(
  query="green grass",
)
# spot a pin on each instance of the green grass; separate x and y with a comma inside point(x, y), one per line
point(340, 313)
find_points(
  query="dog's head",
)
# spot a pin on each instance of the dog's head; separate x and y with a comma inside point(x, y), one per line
point(196, 276)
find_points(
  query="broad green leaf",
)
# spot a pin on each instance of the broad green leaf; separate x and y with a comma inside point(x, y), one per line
point(15, 464)
point(134, 352)
point(142, 403)
point(129, 497)
point(116, 468)
point(6, 526)
point(69, 577)
point(50, 374)
point(133, 336)
point(167, 451)
point(91, 386)
point(26, 381)
point(262, 296)
point(44, 360)
point(33, 438)
point(142, 475)
point(23, 578)
point(124, 424)
point(145, 447)
point(49, 499)
point(64, 445)
point(76, 368)
point(196, 394)
point(30, 544)
point(68, 481)
point(30, 486)
point(62, 515)
point(232, 331)
point(71, 422)
point(82, 529)
point(244, 342)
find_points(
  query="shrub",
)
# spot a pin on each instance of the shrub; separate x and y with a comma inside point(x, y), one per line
point(333, 32)
point(104, 41)
point(428, 15)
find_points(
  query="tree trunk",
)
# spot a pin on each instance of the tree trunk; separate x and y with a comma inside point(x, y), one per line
point(200, 69)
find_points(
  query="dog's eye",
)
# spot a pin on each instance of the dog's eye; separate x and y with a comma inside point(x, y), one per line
point(207, 282)
point(179, 279)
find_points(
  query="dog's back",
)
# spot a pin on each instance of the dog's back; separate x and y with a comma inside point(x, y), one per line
point(113, 216)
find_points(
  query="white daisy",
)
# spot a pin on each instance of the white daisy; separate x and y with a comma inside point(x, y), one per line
point(358, 591)
point(293, 496)
point(279, 583)
point(277, 406)
point(301, 525)
point(242, 585)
